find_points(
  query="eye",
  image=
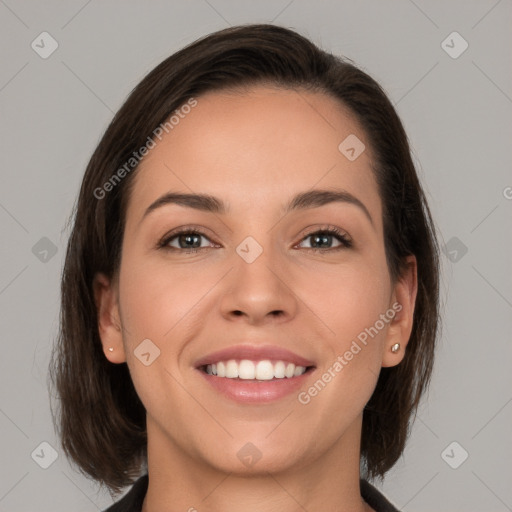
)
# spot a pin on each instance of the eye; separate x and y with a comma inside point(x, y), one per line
point(189, 240)
point(322, 240)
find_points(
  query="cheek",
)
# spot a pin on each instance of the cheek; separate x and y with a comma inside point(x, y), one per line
point(159, 301)
point(350, 302)
point(347, 298)
point(156, 295)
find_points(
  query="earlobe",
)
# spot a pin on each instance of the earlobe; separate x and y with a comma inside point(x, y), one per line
point(109, 324)
point(403, 303)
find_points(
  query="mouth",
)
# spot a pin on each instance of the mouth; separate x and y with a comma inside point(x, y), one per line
point(254, 374)
point(258, 371)
point(250, 374)
point(248, 390)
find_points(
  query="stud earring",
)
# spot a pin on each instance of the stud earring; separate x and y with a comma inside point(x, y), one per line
point(395, 348)
point(111, 349)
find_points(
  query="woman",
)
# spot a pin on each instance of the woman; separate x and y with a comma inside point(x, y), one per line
point(250, 291)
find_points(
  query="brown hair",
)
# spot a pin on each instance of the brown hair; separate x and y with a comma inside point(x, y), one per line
point(101, 420)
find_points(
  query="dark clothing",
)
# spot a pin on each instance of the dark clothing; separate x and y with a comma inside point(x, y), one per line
point(132, 502)
point(375, 498)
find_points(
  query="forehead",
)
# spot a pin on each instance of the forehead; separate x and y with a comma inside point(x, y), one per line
point(255, 146)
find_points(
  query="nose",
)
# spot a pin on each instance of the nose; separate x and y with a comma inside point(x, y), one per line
point(259, 292)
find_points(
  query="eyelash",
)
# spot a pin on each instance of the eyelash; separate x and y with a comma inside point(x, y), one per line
point(346, 242)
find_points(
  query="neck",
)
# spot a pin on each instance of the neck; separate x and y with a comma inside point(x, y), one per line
point(180, 481)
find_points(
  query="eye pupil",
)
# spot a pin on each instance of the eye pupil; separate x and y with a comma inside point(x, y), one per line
point(321, 239)
point(188, 240)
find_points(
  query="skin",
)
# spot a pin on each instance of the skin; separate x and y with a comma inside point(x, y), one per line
point(254, 150)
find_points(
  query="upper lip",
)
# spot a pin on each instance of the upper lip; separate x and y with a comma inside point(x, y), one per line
point(257, 353)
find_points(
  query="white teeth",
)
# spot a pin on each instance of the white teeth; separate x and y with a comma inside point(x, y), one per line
point(297, 371)
point(221, 369)
point(279, 369)
point(231, 369)
point(264, 370)
point(251, 370)
point(290, 370)
point(246, 369)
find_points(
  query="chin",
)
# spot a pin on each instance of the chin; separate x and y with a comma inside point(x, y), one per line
point(244, 458)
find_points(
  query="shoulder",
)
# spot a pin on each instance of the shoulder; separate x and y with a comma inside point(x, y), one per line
point(132, 501)
point(375, 498)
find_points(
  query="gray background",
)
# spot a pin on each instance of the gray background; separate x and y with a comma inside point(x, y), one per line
point(457, 112)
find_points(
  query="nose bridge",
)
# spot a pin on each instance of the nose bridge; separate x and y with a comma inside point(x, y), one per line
point(258, 288)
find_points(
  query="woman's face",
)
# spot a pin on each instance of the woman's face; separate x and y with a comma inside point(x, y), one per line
point(263, 277)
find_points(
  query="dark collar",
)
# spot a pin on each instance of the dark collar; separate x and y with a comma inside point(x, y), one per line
point(132, 502)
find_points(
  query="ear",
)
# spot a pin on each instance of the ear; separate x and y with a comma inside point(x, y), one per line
point(402, 303)
point(109, 324)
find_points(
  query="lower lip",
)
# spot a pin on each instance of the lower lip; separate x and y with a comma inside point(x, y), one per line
point(251, 391)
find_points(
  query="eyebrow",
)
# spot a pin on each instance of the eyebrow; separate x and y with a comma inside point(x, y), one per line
point(302, 201)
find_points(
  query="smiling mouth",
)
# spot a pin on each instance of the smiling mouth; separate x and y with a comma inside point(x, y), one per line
point(248, 370)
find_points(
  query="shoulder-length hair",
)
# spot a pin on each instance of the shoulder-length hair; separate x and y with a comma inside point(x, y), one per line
point(101, 421)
